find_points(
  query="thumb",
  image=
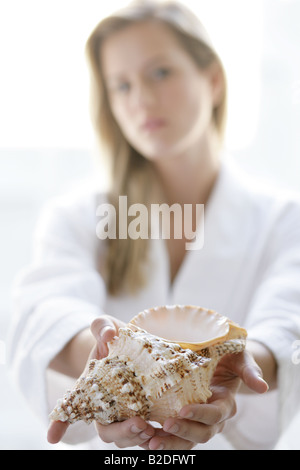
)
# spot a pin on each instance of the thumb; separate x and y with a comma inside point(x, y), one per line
point(104, 328)
point(56, 431)
point(250, 373)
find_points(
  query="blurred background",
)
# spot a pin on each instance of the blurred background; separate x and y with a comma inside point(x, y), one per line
point(47, 145)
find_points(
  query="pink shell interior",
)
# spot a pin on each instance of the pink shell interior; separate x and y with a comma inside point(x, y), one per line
point(190, 326)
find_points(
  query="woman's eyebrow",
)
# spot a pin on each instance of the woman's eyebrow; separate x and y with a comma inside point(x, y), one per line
point(157, 58)
point(148, 63)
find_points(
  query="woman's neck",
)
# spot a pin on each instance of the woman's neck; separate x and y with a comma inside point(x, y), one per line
point(190, 177)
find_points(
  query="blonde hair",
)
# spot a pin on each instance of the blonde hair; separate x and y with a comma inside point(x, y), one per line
point(131, 174)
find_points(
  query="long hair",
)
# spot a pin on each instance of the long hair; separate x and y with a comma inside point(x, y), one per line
point(131, 174)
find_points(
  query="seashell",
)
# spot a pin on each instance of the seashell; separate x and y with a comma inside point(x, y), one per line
point(163, 359)
point(191, 327)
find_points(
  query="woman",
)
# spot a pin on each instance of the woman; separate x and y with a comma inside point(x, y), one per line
point(159, 103)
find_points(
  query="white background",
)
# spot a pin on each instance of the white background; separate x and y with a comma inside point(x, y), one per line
point(46, 142)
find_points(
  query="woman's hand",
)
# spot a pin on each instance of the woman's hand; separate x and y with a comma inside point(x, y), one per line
point(103, 330)
point(129, 433)
point(196, 423)
point(199, 423)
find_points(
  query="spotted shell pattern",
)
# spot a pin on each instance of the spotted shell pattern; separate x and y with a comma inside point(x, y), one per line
point(147, 375)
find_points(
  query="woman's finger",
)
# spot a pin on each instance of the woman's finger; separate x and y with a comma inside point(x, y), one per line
point(163, 440)
point(169, 443)
point(251, 374)
point(56, 431)
point(209, 414)
point(192, 431)
point(104, 328)
point(129, 433)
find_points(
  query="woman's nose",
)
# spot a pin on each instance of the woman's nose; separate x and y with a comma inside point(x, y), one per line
point(143, 96)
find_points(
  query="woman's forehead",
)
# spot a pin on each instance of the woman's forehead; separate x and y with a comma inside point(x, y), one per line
point(138, 45)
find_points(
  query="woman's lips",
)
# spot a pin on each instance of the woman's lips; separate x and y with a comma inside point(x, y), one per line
point(153, 124)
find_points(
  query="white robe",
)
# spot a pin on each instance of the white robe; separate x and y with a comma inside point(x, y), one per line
point(248, 270)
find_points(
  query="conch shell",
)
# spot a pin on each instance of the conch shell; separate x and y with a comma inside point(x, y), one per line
point(163, 359)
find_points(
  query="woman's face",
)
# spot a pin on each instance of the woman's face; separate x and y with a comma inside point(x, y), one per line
point(159, 97)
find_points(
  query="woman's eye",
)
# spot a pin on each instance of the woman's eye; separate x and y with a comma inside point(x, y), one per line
point(161, 73)
point(123, 87)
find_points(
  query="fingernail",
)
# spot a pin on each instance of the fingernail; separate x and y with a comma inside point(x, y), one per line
point(187, 415)
point(160, 447)
point(135, 429)
point(104, 330)
point(144, 435)
point(173, 429)
point(263, 381)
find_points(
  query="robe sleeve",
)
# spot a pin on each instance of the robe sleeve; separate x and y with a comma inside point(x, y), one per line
point(274, 317)
point(54, 298)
